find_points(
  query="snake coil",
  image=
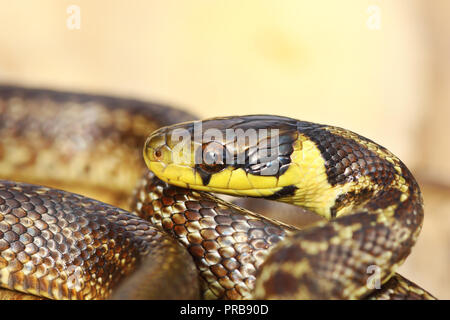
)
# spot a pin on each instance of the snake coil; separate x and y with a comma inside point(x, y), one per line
point(61, 245)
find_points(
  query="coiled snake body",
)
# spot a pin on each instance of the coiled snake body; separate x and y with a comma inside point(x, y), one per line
point(61, 245)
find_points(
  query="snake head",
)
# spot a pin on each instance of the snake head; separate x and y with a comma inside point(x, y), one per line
point(246, 155)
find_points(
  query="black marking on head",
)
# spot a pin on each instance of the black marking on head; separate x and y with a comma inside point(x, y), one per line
point(270, 158)
point(206, 176)
point(266, 158)
point(210, 159)
point(284, 192)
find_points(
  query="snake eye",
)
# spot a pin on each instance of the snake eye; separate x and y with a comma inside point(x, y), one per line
point(157, 153)
point(213, 157)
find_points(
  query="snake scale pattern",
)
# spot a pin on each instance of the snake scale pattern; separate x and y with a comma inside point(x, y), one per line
point(130, 243)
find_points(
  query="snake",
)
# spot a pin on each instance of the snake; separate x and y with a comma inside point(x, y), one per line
point(99, 201)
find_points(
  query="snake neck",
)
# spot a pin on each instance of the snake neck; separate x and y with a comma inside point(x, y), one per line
point(337, 172)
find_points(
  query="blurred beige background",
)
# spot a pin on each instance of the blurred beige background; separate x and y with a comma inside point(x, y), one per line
point(377, 67)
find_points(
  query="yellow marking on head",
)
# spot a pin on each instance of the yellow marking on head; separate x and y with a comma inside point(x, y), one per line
point(251, 192)
point(239, 180)
point(290, 176)
point(308, 173)
point(314, 191)
point(221, 179)
point(175, 172)
point(268, 192)
point(172, 173)
point(156, 167)
point(263, 182)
